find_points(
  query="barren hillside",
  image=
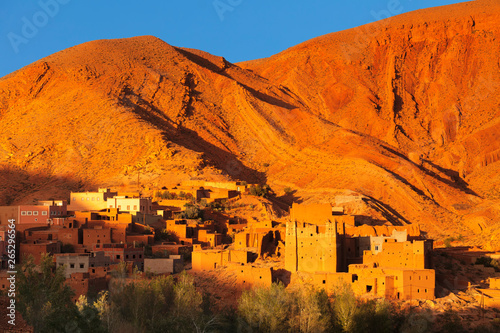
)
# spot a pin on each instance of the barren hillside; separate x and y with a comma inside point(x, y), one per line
point(398, 119)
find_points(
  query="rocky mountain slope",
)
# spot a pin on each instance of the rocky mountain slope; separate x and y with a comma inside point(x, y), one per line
point(398, 120)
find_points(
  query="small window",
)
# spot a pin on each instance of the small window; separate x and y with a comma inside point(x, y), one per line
point(93, 199)
point(93, 270)
point(36, 219)
point(88, 199)
point(140, 255)
point(35, 212)
point(98, 198)
point(29, 213)
point(117, 256)
point(128, 207)
point(83, 199)
point(23, 213)
point(71, 265)
point(135, 207)
point(74, 198)
point(133, 256)
point(44, 213)
point(82, 265)
point(126, 256)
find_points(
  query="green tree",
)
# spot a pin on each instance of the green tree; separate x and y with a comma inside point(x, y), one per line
point(159, 305)
point(373, 316)
point(266, 309)
point(89, 316)
point(43, 298)
point(312, 311)
point(141, 303)
point(345, 307)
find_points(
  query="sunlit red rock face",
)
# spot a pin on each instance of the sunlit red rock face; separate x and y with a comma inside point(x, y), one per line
point(426, 83)
point(403, 111)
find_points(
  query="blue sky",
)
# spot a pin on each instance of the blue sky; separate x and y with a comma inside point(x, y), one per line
point(235, 29)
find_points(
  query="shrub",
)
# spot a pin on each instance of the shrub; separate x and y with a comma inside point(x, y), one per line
point(447, 241)
point(192, 212)
point(260, 190)
point(165, 235)
point(416, 322)
point(451, 322)
point(167, 195)
point(486, 261)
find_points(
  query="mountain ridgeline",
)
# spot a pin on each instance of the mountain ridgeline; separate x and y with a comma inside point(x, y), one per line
point(402, 113)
